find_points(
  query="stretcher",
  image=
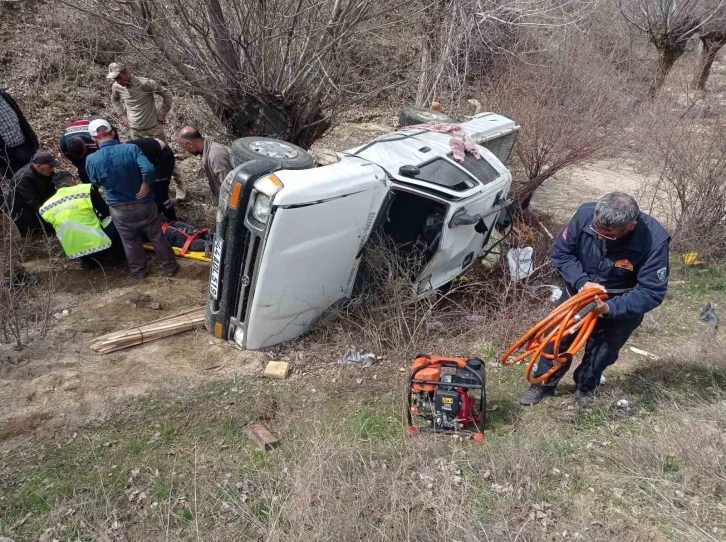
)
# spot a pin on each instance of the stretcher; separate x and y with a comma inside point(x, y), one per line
point(192, 255)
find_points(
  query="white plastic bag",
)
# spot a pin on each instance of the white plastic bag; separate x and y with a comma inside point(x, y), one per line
point(520, 262)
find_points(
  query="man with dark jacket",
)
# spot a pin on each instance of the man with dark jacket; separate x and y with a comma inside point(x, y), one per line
point(30, 188)
point(18, 142)
point(76, 144)
point(613, 246)
point(126, 175)
point(161, 155)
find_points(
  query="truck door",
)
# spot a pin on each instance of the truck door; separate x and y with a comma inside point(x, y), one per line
point(461, 243)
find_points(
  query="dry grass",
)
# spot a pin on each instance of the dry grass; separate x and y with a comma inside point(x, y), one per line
point(180, 469)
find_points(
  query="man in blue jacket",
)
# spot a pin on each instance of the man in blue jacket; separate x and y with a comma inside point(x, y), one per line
point(126, 175)
point(613, 246)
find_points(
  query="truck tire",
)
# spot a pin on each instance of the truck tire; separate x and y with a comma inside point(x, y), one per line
point(420, 115)
point(284, 154)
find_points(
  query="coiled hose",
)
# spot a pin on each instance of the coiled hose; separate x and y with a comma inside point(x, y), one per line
point(574, 316)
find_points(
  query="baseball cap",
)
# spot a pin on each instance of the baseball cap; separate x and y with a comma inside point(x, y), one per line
point(45, 158)
point(99, 127)
point(114, 69)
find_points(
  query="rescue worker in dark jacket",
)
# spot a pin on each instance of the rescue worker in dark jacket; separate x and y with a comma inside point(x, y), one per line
point(30, 188)
point(161, 155)
point(76, 144)
point(610, 245)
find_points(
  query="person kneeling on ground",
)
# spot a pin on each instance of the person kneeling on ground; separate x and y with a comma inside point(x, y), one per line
point(31, 186)
point(125, 175)
point(81, 221)
point(609, 245)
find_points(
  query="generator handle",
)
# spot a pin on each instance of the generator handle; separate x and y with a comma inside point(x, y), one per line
point(451, 384)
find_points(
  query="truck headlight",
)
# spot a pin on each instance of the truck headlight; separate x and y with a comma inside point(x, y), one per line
point(265, 190)
point(262, 207)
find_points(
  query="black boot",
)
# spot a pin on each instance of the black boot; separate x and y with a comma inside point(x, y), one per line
point(534, 394)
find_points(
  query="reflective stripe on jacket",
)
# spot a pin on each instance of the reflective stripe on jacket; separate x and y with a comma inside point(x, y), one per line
point(76, 225)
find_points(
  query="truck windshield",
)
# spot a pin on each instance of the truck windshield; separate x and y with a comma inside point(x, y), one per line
point(442, 173)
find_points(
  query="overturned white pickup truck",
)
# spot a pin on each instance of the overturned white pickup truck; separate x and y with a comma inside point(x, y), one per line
point(289, 242)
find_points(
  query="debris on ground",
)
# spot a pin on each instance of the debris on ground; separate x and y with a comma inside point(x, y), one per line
point(60, 315)
point(644, 353)
point(521, 265)
point(358, 359)
point(277, 370)
point(261, 436)
point(708, 314)
point(555, 291)
point(625, 404)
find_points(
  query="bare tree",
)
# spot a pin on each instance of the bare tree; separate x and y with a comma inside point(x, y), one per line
point(713, 38)
point(270, 66)
point(687, 186)
point(571, 106)
point(669, 24)
point(462, 38)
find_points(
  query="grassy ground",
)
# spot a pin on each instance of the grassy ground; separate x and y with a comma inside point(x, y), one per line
point(179, 467)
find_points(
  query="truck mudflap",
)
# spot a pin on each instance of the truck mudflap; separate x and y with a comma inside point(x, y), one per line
point(230, 243)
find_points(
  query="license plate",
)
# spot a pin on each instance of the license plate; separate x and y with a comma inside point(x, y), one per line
point(216, 266)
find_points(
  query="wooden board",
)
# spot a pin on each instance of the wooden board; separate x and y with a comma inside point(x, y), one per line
point(277, 370)
point(164, 327)
point(261, 436)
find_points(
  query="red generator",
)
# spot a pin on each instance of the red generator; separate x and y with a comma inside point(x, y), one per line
point(448, 394)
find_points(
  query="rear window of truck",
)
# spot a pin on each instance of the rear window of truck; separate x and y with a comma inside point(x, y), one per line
point(481, 169)
point(442, 173)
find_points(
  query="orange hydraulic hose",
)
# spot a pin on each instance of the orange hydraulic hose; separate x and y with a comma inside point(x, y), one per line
point(573, 316)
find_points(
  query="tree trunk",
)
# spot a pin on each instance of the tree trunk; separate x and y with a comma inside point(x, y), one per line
point(225, 48)
point(711, 47)
point(666, 58)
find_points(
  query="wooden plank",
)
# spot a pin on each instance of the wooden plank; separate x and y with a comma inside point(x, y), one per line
point(277, 370)
point(164, 327)
point(261, 436)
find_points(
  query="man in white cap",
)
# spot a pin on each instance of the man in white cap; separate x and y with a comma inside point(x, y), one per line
point(126, 176)
point(133, 99)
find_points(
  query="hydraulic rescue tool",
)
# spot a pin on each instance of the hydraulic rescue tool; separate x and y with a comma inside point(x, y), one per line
point(448, 394)
point(572, 317)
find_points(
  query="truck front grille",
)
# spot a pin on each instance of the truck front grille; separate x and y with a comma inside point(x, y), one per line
point(247, 281)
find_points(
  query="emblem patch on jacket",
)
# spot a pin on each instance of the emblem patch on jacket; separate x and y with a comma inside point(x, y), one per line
point(565, 233)
point(662, 273)
point(625, 264)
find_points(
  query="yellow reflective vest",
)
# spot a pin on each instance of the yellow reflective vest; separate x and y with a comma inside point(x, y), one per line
point(76, 225)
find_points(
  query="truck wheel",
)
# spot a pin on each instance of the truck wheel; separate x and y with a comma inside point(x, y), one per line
point(420, 115)
point(282, 153)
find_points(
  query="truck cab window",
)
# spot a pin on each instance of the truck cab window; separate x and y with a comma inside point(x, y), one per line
point(443, 173)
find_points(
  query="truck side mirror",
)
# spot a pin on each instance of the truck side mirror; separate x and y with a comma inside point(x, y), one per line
point(409, 171)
